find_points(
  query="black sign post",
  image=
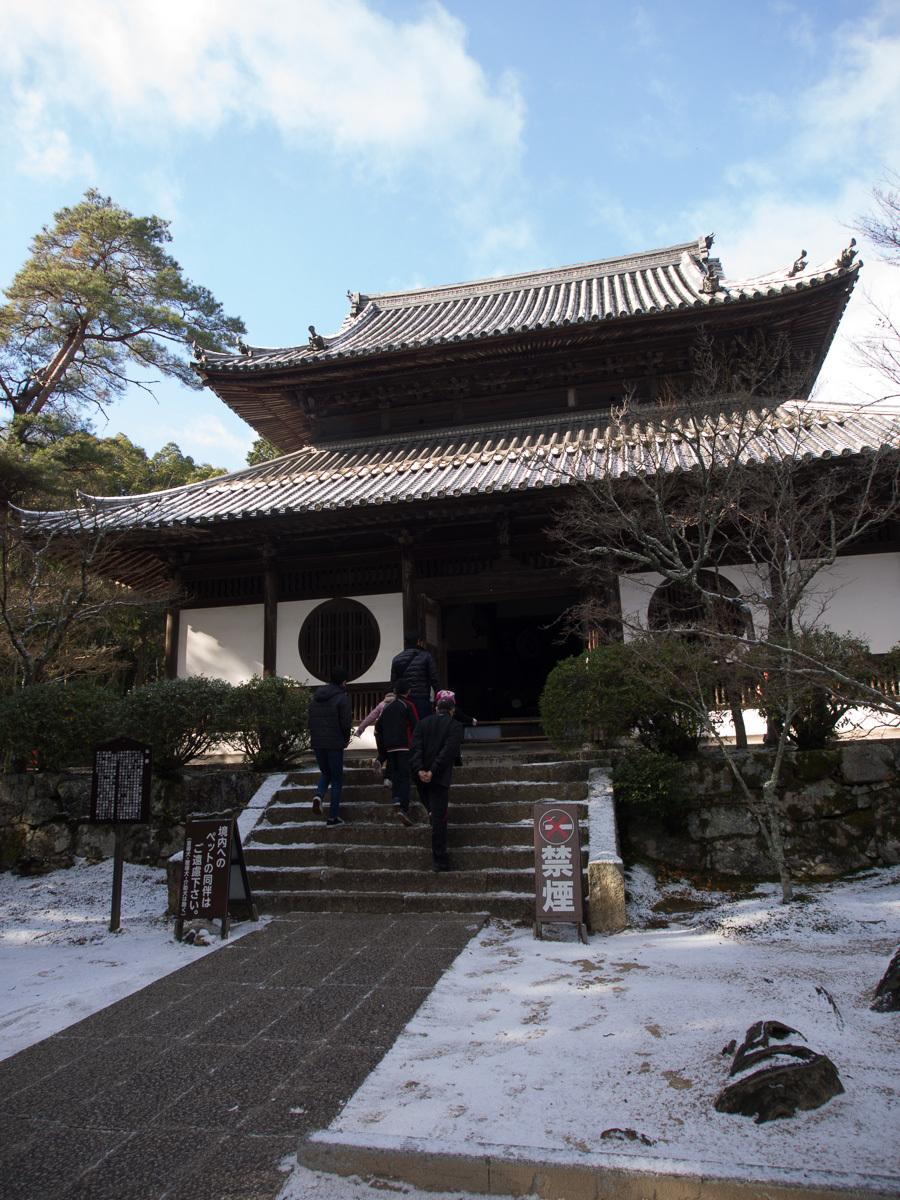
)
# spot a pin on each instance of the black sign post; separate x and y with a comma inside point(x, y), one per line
point(559, 885)
point(214, 873)
point(120, 796)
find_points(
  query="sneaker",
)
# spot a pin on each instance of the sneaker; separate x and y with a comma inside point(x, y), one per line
point(335, 821)
point(317, 804)
point(404, 816)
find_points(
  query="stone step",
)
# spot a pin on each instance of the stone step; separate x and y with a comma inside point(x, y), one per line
point(487, 812)
point(318, 878)
point(389, 832)
point(469, 772)
point(359, 857)
point(524, 790)
point(511, 908)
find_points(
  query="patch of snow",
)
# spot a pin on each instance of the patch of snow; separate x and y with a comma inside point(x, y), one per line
point(58, 961)
point(603, 839)
point(256, 806)
point(532, 1048)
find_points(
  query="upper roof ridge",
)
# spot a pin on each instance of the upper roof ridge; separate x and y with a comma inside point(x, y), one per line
point(546, 276)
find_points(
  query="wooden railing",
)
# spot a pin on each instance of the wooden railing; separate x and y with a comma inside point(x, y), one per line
point(886, 680)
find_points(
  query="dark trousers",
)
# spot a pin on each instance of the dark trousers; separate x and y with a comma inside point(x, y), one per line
point(398, 773)
point(331, 764)
point(436, 799)
point(423, 706)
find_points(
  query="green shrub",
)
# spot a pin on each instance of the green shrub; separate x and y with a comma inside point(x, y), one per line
point(649, 780)
point(620, 688)
point(180, 718)
point(51, 726)
point(267, 717)
point(592, 693)
point(816, 709)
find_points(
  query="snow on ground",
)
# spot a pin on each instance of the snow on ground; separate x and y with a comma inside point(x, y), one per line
point(58, 960)
point(535, 1049)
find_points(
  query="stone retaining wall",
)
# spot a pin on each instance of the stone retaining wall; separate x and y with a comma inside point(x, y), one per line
point(841, 813)
point(44, 817)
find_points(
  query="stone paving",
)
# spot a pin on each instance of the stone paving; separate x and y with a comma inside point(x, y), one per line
point(199, 1085)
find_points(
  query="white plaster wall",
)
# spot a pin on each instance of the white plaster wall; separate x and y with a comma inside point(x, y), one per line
point(387, 610)
point(859, 595)
point(636, 590)
point(222, 643)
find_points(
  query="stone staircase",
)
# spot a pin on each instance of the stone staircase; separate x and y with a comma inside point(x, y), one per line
point(376, 864)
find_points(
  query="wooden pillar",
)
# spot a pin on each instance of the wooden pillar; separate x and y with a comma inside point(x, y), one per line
point(408, 582)
point(270, 611)
point(173, 626)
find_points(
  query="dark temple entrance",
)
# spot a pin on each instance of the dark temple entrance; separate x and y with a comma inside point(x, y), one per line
point(500, 653)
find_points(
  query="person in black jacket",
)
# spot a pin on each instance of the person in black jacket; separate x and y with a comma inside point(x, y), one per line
point(330, 721)
point(393, 731)
point(416, 666)
point(433, 749)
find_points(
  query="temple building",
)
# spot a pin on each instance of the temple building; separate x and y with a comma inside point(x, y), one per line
point(425, 448)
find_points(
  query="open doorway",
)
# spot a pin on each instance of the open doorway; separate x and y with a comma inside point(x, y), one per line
point(500, 653)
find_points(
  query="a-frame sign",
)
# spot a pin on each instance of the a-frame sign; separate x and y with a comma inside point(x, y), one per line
point(214, 876)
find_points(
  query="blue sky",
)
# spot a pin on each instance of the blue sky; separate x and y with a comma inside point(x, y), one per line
point(304, 147)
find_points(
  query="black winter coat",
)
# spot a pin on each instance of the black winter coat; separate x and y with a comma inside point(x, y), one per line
point(394, 727)
point(417, 668)
point(435, 744)
point(329, 718)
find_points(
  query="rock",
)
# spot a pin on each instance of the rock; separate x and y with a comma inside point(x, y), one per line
point(773, 1081)
point(606, 896)
point(865, 762)
point(887, 994)
point(95, 842)
point(626, 1135)
point(731, 820)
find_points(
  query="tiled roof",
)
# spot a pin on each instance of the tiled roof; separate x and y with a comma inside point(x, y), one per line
point(678, 277)
point(473, 460)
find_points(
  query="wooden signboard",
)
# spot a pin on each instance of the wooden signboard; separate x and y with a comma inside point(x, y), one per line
point(120, 790)
point(214, 873)
point(559, 886)
point(120, 796)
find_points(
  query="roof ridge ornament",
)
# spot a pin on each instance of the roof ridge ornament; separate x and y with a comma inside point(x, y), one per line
point(243, 348)
point(799, 265)
point(710, 284)
point(704, 245)
point(199, 353)
point(316, 341)
point(355, 302)
point(846, 257)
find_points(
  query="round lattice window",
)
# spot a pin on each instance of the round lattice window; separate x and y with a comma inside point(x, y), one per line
point(674, 606)
point(339, 633)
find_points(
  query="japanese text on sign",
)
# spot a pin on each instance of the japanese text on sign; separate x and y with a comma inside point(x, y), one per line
point(557, 853)
point(207, 862)
point(120, 792)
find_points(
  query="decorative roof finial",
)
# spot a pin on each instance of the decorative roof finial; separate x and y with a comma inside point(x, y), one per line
point(710, 283)
point(704, 245)
point(316, 341)
point(199, 353)
point(846, 257)
point(799, 265)
point(355, 302)
point(243, 348)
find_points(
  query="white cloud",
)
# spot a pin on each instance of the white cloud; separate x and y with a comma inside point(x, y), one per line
point(806, 195)
point(328, 74)
point(199, 435)
point(43, 152)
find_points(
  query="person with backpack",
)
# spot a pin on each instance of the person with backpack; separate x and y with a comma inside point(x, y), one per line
point(330, 720)
point(434, 747)
point(416, 666)
point(393, 732)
